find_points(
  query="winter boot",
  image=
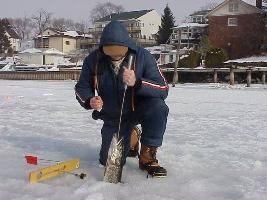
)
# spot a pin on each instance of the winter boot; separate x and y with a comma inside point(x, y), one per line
point(149, 162)
point(134, 142)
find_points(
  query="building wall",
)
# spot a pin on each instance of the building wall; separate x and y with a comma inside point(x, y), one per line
point(56, 42)
point(152, 21)
point(14, 43)
point(63, 44)
point(31, 58)
point(243, 8)
point(52, 59)
point(242, 40)
point(69, 44)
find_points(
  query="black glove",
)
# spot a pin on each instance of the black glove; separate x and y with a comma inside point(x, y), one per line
point(96, 115)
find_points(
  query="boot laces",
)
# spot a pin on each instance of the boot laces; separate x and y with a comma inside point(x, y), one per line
point(154, 160)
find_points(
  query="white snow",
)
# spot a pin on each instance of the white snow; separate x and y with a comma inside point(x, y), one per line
point(249, 59)
point(71, 33)
point(53, 51)
point(31, 51)
point(214, 148)
point(186, 25)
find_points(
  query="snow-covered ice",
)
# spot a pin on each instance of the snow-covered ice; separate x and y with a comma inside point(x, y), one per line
point(214, 149)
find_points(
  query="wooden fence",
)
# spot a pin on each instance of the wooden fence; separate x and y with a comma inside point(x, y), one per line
point(41, 75)
point(230, 75)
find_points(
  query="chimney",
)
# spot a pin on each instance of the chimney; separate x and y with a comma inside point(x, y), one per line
point(259, 4)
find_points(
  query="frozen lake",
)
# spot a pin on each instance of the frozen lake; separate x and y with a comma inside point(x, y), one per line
point(214, 147)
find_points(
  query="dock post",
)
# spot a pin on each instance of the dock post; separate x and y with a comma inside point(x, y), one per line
point(263, 77)
point(249, 77)
point(215, 76)
point(232, 75)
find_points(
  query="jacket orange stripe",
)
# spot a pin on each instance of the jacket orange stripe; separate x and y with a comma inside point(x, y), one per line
point(162, 75)
point(165, 87)
point(77, 94)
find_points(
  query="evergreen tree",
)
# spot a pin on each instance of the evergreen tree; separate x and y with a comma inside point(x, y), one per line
point(167, 23)
point(4, 42)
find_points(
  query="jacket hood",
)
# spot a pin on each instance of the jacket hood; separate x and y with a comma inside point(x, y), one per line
point(116, 33)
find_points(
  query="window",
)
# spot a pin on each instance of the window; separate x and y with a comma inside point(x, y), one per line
point(232, 22)
point(171, 58)
point(67, 42)
point(233, 7)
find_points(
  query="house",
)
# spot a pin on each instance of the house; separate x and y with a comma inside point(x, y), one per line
point(26, 44)
point(41, 57)
point(31, 56)
point(188, 34)
point(14, 39)
point(199, 17)
point(64, 41)
point(142, 25)
point(237, 27)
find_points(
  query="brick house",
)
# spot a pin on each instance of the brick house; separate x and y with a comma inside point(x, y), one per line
point(237, 27)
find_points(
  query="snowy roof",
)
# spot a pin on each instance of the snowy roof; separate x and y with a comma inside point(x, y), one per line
point(12, 33)
point(31, 51)
point(124, 15)
point(185, 25)
point(66, 33)
point(71, 33)
point(253, 59)
point(86, 35)
point(200, 13)
point(53, 51)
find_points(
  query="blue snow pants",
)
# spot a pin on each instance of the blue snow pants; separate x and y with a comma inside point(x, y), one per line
point(151, 113)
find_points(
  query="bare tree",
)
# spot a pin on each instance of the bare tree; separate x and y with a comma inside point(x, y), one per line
point(59, 24)
point(63, 24)
point(82, 26)
point(23, 26)
point(42, 20)
point(104, 9)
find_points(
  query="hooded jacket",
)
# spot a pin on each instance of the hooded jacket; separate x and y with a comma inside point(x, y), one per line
point(97, 75)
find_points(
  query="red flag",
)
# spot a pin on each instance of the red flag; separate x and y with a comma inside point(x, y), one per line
point(31, 160)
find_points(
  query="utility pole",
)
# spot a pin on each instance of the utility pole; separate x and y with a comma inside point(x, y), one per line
point(175, 73)
point(188, 46)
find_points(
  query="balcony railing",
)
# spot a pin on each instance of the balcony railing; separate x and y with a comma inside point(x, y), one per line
point(96, 30)
point(143, 41)
point(133, 28)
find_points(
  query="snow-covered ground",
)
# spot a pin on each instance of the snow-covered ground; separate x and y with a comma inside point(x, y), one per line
point(214, 149)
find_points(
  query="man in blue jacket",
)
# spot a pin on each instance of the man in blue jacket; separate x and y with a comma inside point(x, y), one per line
point(101, 87)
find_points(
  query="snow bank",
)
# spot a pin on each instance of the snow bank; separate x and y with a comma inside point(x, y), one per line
point(214, 148)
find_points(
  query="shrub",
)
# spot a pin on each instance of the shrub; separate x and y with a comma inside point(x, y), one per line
point(215, 57)
point(190, 61)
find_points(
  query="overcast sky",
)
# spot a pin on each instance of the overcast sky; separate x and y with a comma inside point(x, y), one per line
point(79, 10)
